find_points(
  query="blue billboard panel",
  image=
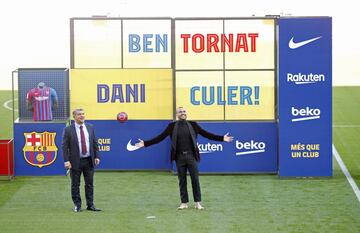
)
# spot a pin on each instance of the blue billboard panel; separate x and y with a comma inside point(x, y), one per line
point(253, 150)
point(117, 145)
point(305, 96)
point(37, 149)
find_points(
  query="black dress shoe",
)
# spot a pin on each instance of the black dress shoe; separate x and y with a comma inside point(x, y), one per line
point(77, 209)
point(93, 208)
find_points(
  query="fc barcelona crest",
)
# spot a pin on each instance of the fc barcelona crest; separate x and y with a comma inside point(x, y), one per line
point(40, 149)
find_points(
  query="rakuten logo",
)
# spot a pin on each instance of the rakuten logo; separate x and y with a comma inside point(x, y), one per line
point(300, 78)
point(209, 148)
point(251, 147)
point(305, 114)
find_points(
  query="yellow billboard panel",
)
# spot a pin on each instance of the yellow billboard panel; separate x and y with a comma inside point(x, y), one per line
point(250, 44)
point(249, 95)
point(196, 91)
point(245, 95)
point(144, 94)
point(97, 43)
point(194, 40)
point(225, 44)
point(147, 43)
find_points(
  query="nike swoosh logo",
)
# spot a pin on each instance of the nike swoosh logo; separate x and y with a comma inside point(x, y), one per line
point(295, 45)
point(130, 147)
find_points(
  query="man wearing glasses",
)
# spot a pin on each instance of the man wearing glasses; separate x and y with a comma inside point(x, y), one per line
point(185, 152)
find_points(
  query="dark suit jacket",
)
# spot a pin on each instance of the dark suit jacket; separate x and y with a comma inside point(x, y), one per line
point(169, 132)
point(70, 145)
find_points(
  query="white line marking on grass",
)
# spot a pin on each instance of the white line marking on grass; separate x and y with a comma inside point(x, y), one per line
point(7, 107)
point(346, 126)
point(346, 172)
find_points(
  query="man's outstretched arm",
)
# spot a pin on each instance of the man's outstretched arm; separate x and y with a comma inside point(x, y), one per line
point(156, 139)
point(211, 136)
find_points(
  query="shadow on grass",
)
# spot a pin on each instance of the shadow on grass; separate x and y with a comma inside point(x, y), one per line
point(9, 188)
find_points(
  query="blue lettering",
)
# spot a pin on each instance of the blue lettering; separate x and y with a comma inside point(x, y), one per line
point(204, 99)
point(117, 93)
point(149, 46)
point(134, 43)
point(131, 92)
point(257, 93)
point(102, 93)
point(235, 95)
point(245, 94)
point(192, 95)
point(220, 100)
point(232, 95)
point(142, 93)
point(161, 41)
point(147, 43)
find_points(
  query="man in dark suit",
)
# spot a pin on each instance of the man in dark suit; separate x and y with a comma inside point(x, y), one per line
point(185, 152)
point(81, 155)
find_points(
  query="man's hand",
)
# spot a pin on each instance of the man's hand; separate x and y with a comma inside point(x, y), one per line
point(97, 161)
point(228, 138)
point(140, 143)
point(67, 165)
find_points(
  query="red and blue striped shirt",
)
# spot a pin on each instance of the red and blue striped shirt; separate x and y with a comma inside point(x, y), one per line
point(42, 100)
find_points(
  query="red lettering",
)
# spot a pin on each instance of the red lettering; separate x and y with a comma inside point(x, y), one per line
point(201, 43)
point(228, 42)
point(186, 45)
point(212, 40)
point(241, 43)
point(253, 37)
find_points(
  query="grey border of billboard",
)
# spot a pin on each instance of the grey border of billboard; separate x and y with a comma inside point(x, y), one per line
point(173, 57)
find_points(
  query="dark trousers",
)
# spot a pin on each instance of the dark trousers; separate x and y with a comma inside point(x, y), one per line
point(186, 162)
point(85, 167)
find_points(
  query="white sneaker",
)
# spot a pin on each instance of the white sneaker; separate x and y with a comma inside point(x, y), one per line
point(183, 206)
point(198, 206)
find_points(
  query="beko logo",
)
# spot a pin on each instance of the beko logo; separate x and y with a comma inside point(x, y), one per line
point(300, 78)
point(304, 114)
point(209, 148)
point(251, 147)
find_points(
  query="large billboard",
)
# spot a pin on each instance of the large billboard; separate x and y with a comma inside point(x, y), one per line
point(224, 69)
point(266, 81)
